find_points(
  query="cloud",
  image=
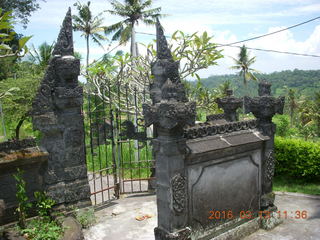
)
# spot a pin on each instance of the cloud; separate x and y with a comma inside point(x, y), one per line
point(228, 21)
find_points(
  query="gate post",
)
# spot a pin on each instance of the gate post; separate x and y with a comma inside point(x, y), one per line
point(57, 114)
point(170, 113)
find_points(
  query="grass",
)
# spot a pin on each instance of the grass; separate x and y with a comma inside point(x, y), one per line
point(124, 157)
point(288, 184)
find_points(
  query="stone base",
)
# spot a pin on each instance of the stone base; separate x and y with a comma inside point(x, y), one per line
point(271, 222)
point(183, 234)
point(240, 231)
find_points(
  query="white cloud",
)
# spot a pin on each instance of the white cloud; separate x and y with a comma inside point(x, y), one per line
point(226, 20)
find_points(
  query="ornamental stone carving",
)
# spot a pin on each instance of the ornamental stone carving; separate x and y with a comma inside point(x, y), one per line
point(270, 162)
point(230, 104)
point(170, 105)
point(178, 185)
point(265, 106)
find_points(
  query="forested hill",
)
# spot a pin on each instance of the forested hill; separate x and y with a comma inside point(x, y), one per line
point(304, 82)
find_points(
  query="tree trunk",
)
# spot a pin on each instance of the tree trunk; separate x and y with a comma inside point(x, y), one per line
point(17, 130)
point(88, 51)
point(133, 42)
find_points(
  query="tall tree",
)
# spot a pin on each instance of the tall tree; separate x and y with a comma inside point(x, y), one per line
point(132, 11)
point(90, 26)
point(21, 9)
point(243, 63)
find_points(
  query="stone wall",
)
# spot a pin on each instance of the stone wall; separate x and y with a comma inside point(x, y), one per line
point(32, 161)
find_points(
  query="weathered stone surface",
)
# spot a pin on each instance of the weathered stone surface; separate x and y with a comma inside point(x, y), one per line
point(33, 162)
point(57, 114)
point(230, 104)
point(264, 108)
point(12, 234)
point(2, 208)
point(170, 113)
point(182, 234)
point(16, 145)
point(209, 166)
point(271, 222)
point(73, 229)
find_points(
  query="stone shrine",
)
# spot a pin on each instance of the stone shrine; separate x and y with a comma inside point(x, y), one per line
point(214, 179)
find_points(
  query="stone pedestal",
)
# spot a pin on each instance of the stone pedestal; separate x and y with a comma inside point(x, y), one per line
point(230, 104)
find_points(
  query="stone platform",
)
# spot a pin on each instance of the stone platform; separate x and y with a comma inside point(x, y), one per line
point(117, 221)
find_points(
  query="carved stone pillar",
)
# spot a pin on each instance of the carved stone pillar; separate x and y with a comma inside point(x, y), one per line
point(264, 108)
point(230, 104)
point(169, 113)
point(57, 114)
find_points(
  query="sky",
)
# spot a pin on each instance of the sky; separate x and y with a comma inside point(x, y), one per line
point(227, 21)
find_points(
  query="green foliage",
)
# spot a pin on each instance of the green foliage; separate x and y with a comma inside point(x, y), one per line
point(44, 226)
point(43, 204)
point(132, 12)
point(40, 229)
point(283, 127)
point(90, 26)
point(297, 158)
point(21, 194)
point(291, 184)
point(42, 55)
point(22, 9)
point(17, 105)
point(85, 217)
point(7, 34)
point(243, 63)
point(12, 45)
point(194, 52)
point(304, 82)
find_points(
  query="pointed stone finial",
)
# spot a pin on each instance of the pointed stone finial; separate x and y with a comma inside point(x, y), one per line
point(163, 51)
point(64, 45)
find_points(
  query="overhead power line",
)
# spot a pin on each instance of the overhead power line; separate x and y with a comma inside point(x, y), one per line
point(268, 34)
point(274, 51)
point(264, 35)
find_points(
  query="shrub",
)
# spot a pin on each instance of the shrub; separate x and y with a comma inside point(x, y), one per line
point(283, 125)
point(85, 217)
point(297, 158)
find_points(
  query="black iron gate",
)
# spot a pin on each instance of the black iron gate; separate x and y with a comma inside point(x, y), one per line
point(119, 154)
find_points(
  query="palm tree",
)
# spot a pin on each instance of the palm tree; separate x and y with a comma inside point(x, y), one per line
point(243, 63)
point(89, 25)
point(132, 11)
point(42, 55)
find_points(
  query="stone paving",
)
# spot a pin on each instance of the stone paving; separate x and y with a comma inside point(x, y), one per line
point(118, 220)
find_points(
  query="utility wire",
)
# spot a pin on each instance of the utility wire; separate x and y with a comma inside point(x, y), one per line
point(268, 34)
point(256, 49)
point(274, 51)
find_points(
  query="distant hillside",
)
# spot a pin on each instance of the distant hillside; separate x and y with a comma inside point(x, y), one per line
point(304, 82)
